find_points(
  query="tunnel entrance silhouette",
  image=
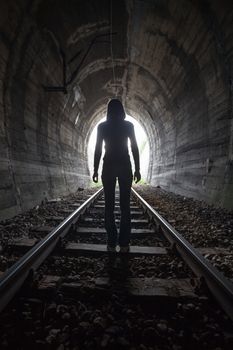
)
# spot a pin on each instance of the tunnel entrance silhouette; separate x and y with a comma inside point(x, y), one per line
point(143, 146)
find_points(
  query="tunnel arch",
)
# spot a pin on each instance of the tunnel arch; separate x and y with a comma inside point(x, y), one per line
point(101, 115)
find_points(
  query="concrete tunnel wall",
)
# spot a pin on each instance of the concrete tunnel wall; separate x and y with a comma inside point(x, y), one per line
point(173, 72)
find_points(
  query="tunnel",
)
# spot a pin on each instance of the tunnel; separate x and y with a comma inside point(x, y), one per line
point(169, 62)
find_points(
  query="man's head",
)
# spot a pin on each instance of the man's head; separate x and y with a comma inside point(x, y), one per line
point(115, 110)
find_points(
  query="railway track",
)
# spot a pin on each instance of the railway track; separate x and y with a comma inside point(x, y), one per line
point(161, 266)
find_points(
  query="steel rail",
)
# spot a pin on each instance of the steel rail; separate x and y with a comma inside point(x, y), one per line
point(15, 276)
point(219, 286)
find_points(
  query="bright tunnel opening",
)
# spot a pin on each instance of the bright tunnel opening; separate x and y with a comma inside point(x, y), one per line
point(143, 146)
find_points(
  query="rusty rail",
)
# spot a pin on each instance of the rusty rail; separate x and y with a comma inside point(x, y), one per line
point(219, 286)
point(15, 276)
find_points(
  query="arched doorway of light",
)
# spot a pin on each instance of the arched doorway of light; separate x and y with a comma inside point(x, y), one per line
point(143, 146)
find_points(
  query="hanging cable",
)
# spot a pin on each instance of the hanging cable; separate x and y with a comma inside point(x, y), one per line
point(113, 68)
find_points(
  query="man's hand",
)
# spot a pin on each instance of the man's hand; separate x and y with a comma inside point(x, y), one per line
point(95, 177)
point(137, 176)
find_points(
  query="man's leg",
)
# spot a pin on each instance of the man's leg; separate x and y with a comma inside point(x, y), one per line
point(109, 183)
point(125, 182)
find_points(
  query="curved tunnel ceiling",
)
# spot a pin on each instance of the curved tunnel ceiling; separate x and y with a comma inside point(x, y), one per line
point(159, 53)
point(172, 65)
point(157, 44)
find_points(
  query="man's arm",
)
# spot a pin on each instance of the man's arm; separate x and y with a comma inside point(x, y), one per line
point(98, 152)
point(134, 147)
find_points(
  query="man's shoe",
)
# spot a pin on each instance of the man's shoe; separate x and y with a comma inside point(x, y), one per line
point(124, 249)
point(111, 249)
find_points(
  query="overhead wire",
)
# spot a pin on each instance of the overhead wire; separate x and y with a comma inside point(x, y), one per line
point(111, 48)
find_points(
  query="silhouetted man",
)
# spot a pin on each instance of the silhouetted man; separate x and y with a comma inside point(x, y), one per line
point(115, 132)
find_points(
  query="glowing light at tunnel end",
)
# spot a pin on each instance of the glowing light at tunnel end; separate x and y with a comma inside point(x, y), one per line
point(143, 146)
